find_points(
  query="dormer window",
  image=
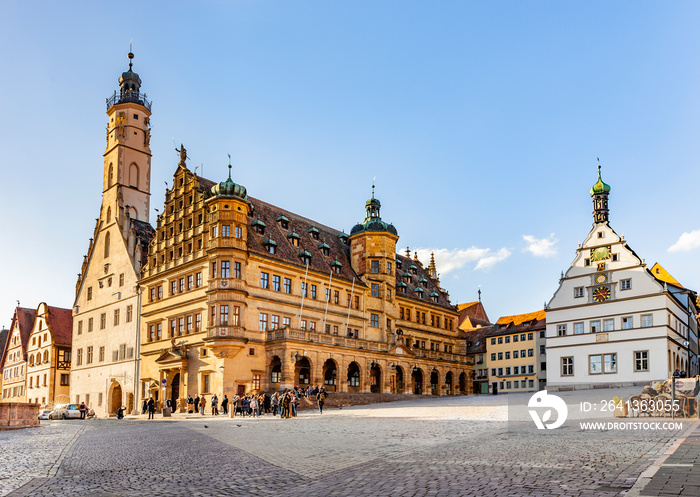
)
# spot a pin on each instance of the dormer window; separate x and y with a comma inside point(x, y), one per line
point(294, 238)
point(406, 277)
point(398, 263)
point(305, 257)
point(423, 282)
point(324, 248)
point(434, 297)
point(336, 266)
point(259, 226)
point(419, 291)
point(344, 237)
point(270, 246)
point(413, 269)
point(284, 222)
point(401, 287)
point(314, 232)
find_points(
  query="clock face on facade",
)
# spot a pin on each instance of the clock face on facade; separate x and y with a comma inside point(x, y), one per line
point(600, 253)
point(601, 294)
point(601, 278)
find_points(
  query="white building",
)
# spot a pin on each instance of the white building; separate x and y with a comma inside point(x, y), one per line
point(106, 312)
point(612, 321)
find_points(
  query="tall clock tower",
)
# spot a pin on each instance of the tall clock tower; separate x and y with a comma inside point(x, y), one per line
point(106, 312)
point(127, 158)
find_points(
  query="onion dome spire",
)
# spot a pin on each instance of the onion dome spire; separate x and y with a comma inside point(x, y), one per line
point(600, 192)
point(230, 189)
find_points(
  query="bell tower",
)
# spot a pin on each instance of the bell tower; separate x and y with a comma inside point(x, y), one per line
point(600, 192)
point(127, 159)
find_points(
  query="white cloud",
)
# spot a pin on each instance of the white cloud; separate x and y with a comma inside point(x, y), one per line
point(686, 242)
point(541, 247)
point(448, 261)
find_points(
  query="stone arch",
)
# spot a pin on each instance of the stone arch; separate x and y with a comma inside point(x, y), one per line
point(400, 381)
point(107, 237)
point(354, 378)
point(134, 175)
point(275, 372)
point(463, 383)
point(115, 397)
point(375, 378)
point(434, 382)
point(417, 380)
point(448, 383)
point(330, 375)
point(302, 371)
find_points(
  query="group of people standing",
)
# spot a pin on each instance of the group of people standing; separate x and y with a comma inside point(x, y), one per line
point(284, 404)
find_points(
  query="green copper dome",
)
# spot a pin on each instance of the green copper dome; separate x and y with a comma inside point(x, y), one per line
point(600, 187)
point(230, 189)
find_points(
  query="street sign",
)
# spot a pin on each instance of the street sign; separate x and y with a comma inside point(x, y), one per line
point(164, 382)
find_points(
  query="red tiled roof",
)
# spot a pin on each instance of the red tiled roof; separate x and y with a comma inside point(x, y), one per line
point(60, 322)
point(25, 318)
point(474, 311)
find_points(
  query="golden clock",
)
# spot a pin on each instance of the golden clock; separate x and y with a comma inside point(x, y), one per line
point(600, 253)
point(601, 278)
point(601, 294)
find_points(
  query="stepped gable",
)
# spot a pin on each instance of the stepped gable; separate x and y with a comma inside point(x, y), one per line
point(60, 322)
point(421, 273)
point(268, 214)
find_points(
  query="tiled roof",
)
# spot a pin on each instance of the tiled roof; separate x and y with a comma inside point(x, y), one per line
point(664, 276)
point(421, 273)
point(61, 323)
point(4, 334)
point(522, 318)
point(476, 339)
point(25, 318)
point(268, 214)
point(475, 312)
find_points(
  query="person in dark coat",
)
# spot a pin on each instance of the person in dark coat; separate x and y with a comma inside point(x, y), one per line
point(144, 407)
point(196, 404)
point(224, 405)
point(190, 401)
point(151, 408)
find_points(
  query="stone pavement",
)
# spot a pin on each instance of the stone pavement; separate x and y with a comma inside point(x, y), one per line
point(679, 474)
point(459, 446)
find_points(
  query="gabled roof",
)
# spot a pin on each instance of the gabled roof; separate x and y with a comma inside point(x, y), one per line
point(476, 339)
point(60, 321)
point(658, 272)
point(520, 323)
point(25, 319)
point(471, 315)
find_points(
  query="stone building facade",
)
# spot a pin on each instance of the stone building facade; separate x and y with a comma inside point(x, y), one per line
point(107, 300)
point(243, 296)
point(49, 356)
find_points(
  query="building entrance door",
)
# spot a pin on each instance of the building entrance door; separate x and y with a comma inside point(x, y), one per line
point(175, 391)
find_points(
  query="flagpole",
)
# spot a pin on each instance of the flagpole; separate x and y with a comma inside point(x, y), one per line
point(303, 292)
point(347, 322)
point(328, 299)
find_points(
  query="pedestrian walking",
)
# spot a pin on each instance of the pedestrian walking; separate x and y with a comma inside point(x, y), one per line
point(202, 404)
point(144, 406)
point(224, 405)
point(321, 397)
point(254, 405)
point(190, 402)
point(196, 404)
point(83, 410)
point(215, 405)
point(151, 408)
point(274, 402)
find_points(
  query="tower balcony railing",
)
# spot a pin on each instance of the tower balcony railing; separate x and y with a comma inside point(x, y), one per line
point(226, 331)
point(324, 338)
point(128, 96)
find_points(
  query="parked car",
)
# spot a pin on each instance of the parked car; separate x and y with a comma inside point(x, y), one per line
point(65, 411)
point(44, 413)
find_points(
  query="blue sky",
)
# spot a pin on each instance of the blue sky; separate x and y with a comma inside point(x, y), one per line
point(481, 122)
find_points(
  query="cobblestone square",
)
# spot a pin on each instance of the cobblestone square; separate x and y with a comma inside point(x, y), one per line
point(428, 446)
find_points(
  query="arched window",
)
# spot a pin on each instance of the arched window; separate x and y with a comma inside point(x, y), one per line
point(46, 356)
point(107, 245)
point(110, 176)
point(134, 175)
point(109, 214)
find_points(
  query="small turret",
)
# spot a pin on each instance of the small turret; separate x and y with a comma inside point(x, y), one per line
point(600, 192)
